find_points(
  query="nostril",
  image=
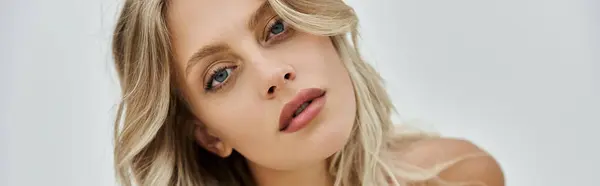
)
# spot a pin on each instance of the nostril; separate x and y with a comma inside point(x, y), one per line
point(271, 90)
point(287, 76)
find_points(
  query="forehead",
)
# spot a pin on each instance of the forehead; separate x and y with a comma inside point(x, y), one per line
point(196, 23)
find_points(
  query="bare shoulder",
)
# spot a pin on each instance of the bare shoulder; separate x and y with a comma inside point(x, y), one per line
point(470, 163)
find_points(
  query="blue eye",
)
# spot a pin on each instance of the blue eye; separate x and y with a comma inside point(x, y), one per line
point(221, 75)
point(218, 77)
point(277, 28)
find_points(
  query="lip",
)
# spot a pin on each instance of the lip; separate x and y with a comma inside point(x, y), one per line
point(289, 124)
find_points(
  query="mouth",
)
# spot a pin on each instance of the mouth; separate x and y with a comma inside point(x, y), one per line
point(304, 107)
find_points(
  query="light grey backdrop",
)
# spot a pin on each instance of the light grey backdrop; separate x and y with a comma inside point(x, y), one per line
point(517, 77)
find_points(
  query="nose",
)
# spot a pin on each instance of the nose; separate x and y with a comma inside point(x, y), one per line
point(275, 78)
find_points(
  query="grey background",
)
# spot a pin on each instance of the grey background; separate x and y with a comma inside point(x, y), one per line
point(517, 77)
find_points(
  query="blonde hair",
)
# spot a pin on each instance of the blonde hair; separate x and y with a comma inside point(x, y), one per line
point(152, 141)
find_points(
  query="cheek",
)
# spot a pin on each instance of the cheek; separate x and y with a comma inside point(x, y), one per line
point(246, 126)
point(244, 122)
point(236, 119)
point(313, 57)
point(311, 50)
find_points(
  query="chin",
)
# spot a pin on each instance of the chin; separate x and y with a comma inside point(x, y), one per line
point(331, 138)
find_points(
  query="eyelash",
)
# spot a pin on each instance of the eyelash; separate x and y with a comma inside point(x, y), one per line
point(208, 87)
point(287, 30)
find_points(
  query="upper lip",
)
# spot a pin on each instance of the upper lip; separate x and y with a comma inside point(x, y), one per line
point(289, 108)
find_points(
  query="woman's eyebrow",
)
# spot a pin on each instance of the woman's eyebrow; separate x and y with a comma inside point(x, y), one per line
point(204, 52)
point(261, 12)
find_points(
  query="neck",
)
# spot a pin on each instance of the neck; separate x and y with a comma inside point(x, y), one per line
point(313, 175)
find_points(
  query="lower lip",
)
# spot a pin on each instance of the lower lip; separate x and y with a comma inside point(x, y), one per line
point(309, 113)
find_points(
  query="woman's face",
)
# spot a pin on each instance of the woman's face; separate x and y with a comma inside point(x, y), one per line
point(240, 65)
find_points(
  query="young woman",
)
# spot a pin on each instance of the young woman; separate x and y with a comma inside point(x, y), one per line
point(265, 92)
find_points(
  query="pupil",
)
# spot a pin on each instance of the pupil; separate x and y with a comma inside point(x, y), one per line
point(221, 76)
point(277, 28)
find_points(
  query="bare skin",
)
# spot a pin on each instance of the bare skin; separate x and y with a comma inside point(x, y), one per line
point(238, 76)
point(482, 169)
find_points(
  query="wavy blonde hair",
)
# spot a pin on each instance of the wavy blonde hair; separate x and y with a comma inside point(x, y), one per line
point(153, 145)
